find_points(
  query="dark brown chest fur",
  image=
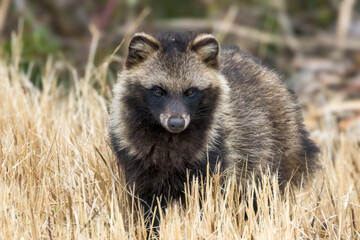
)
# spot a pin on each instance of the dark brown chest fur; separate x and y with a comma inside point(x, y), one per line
point(166, 163)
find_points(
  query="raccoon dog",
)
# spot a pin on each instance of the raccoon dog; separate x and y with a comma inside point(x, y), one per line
point(181, 103)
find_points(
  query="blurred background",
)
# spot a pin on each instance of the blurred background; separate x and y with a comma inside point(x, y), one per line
point(314, 43)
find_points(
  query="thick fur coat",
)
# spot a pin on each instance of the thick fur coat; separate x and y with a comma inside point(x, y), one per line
point(182, 103)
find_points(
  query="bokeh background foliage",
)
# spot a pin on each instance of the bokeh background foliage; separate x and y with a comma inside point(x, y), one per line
point(315, 44)
point(61, 27)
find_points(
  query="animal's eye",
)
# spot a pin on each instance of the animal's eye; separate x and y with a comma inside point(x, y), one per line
point(159, 92)
point(190, 92)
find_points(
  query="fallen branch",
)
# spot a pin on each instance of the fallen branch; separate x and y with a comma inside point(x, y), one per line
point(305, 43)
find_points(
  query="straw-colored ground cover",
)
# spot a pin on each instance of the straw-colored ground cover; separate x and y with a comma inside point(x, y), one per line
point(59, 180)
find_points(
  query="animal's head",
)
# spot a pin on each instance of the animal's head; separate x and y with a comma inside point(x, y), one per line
point(173, 80)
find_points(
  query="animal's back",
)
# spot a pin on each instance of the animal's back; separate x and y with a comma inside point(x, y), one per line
point(267, 128)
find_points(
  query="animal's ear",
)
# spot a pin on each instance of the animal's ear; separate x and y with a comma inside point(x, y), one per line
point(206, 46)
point(141, 46)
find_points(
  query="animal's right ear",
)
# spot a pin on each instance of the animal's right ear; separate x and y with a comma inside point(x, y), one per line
point(141, 46)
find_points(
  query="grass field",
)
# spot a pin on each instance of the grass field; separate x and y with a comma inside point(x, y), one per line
point(59, 180)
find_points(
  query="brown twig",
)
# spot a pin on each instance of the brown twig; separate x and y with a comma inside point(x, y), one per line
point(305, 43)
point(286, 24)
point(131, 29)
point(343, 23)
point(104, 16)
point(4, 6)
point(229, 18)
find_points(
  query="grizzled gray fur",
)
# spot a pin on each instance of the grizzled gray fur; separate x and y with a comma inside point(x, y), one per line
point(182, 102)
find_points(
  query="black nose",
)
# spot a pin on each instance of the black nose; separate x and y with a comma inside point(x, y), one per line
point(176, 124)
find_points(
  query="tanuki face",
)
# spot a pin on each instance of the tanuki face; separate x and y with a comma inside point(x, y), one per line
point(173, 110)
point(173, 83)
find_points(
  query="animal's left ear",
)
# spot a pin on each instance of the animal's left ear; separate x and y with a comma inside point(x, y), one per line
point(206, 46)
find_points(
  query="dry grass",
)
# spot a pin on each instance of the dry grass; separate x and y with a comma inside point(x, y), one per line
point(59, 180)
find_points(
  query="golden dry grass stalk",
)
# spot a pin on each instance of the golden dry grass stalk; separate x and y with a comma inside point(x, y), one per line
point(59, 180)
